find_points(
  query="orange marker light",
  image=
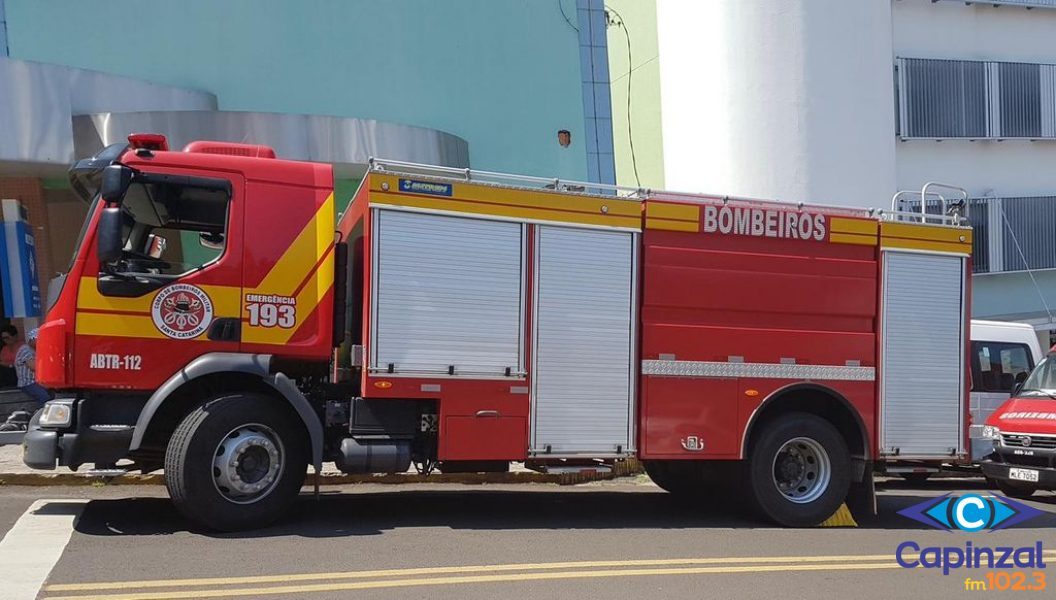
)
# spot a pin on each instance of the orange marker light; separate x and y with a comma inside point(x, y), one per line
point(751, 393)
point(383, 385)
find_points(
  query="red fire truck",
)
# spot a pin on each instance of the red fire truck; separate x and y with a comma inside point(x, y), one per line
point(212, 323)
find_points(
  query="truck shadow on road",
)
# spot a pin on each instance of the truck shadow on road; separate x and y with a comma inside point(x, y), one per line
point(354, 513)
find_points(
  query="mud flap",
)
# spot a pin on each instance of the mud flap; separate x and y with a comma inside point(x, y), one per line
point(861, 498)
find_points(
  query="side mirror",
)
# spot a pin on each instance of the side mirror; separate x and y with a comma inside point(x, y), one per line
point(108, 236)
point(116, 179)
point(1020, 380)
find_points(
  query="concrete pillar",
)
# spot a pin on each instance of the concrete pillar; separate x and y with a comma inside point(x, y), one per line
point(790, 100)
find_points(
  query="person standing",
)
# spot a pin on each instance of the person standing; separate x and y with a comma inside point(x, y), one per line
point(9, 341)
point(26, 369)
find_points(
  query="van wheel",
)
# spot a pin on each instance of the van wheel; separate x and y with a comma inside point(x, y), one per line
point(1015, 490)
point(798, 470)
point(680, 477)
point(238, 462)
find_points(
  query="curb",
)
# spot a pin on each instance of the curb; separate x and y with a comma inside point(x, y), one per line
point(622, 469)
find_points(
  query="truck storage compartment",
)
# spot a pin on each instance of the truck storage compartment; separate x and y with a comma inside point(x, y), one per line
point(483, 437)
point(448, 296)
point(922, 355)
point(583, 349)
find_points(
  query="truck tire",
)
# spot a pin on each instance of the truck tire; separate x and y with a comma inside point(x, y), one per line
point(798, 471)
point(679, 477)
point(238, 462)
point(1014, 490)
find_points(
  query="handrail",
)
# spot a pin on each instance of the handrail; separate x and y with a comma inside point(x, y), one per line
point(464, 174)
point(640, 194)
point(924, 194)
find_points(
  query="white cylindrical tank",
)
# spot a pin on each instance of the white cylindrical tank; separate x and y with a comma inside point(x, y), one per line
point(790, 100)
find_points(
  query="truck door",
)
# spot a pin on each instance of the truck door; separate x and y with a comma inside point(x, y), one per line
point(173, 295)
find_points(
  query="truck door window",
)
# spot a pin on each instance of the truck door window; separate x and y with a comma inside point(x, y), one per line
point(171, 229)
point(999, 366)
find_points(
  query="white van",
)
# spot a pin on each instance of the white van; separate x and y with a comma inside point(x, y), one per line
point(1002, 355)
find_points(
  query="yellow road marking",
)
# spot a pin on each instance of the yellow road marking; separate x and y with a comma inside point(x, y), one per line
point(659, 562)
point(466, 579)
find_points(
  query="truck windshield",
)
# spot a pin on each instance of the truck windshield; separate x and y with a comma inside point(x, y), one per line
point(1042, 380)
point(171, 229)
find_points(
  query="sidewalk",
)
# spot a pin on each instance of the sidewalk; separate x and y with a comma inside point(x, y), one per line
point(14, 472)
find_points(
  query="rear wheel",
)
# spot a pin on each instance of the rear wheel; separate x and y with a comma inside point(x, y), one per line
point(238, 462)
point(798, 470)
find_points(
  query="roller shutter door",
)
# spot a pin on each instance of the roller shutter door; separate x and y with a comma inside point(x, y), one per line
point(583, 392)
point(923, 355)
point(448, 293)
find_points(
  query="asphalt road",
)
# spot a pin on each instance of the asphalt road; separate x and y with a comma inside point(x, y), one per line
point(624, 539)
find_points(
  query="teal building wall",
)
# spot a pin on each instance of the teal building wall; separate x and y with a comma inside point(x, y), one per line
point(502, 74)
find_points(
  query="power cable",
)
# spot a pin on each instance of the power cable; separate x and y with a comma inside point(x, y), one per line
point(561, 7)
point(619, 22)
point(1026, 265)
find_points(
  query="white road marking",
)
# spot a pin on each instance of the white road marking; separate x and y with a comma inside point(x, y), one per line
point(32, 547)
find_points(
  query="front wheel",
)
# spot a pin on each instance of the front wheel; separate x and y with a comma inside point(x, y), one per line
point(1014, 490)
point(798, 470)
point(238, 462)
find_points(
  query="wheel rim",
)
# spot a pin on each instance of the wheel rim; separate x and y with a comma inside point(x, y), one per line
point(801, 470)
point(248, 463)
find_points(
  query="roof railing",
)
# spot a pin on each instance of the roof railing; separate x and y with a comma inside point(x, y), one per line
point(640, 194)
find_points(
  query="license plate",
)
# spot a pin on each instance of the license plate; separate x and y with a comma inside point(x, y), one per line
point(1023, 475)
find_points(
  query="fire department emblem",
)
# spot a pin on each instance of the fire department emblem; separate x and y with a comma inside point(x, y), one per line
point(182, 311)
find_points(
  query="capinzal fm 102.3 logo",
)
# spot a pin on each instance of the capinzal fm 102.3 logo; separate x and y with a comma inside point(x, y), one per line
point(970, 513)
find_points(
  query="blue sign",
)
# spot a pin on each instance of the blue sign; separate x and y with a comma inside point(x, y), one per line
point(425, 187)
point(970, 512)
point(18, 270)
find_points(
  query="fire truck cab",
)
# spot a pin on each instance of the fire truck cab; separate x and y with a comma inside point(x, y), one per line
point(222, 321)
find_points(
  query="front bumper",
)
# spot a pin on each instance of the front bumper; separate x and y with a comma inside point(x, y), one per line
point(996, 467)
point(44, 449)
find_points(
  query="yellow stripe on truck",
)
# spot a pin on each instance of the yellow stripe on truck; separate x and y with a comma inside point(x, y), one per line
point(517, 204)
point(931, 238)
point(311, 244)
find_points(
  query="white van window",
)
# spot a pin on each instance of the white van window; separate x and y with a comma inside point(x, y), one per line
point(999, 366)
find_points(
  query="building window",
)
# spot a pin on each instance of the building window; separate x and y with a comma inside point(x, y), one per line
point(942, 98)
point(1023, 3)
point(975, 99)
point(1009, 233)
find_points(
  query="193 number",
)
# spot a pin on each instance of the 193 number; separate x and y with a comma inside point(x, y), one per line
point(272, 315)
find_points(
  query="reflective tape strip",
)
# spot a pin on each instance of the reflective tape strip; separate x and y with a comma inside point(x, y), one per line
point(690, 368)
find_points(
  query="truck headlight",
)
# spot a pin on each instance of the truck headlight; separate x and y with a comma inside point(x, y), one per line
point(56, 414)
point(991, 433)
